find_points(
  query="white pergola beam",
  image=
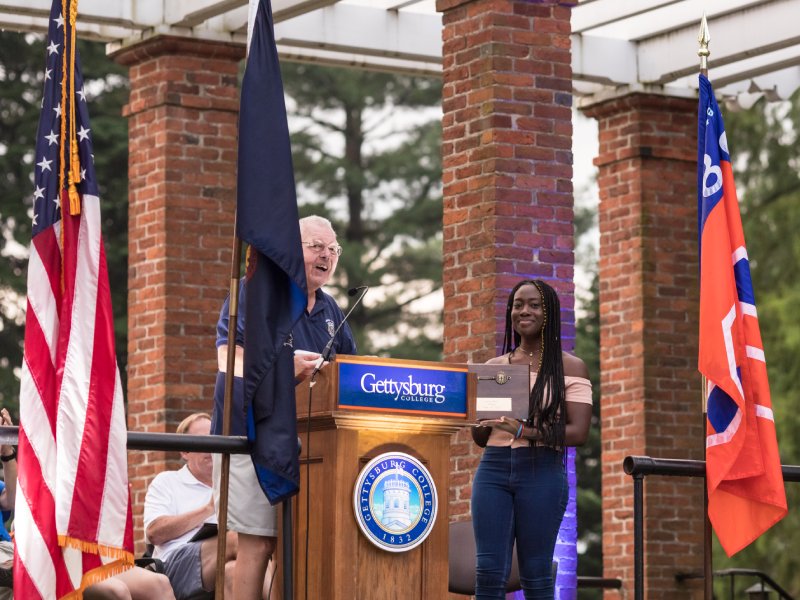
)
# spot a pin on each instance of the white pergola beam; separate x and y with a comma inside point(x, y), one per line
point(603, 60)
point(401, 4)
point(189, 13)
point(597, 13)
point(734, 37)
point(359, 61)
point(120, 14)
point(89, 31)
point(235, 20)
point(638, 21)
point(779, 85)
point(365, 31)
point(737, 39)
point(762, 74)
point(126, 17)
point(635, 44)
point(756, 66)
point(288, 9)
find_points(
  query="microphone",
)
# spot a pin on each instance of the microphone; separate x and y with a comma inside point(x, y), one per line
point(353, 291)
point(328, 349)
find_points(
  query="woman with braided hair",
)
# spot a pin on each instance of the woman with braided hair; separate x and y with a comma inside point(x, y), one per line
point(520, 489)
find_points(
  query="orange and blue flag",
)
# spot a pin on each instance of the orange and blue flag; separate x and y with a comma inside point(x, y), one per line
point(746, 495)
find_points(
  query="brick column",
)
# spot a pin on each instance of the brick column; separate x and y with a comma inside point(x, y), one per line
point(507, 171)
point(182, 115)
point(648, 333)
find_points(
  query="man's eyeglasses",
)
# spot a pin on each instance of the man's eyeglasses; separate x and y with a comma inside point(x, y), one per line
point(318, 247)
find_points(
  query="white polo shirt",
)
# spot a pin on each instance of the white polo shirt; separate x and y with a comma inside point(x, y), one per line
point(174, 493)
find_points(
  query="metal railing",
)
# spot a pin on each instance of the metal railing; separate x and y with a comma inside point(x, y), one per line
point(141, 440)
point(766, 584)
point(233, 444)
point(598, 583)
point(638, 467)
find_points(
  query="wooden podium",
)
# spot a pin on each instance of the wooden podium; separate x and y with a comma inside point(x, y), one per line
point(342, 562)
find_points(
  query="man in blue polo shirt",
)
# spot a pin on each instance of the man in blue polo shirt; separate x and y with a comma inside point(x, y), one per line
point(249, 512)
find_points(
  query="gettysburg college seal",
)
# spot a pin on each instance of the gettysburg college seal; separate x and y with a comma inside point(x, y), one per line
point(395, 502)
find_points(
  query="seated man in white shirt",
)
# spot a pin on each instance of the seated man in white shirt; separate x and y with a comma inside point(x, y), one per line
point(177, 505)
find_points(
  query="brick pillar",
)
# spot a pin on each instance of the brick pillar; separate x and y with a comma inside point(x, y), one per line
point(648, 333)
point(182, 126)
point(507, 171)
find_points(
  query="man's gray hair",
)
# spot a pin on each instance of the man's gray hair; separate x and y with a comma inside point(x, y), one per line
point(315, 220)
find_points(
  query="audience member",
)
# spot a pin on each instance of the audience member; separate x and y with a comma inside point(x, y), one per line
point(178, 504)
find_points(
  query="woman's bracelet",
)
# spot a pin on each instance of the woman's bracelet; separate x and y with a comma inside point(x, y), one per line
point(9, 457)
point(519, 431)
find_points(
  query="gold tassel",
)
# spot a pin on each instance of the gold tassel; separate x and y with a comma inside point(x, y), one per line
point(123, 561)
point(74, 200)
point(74, 157)
point(96, 576)
point(63, 125)
point(74, 180)
point(95, 548)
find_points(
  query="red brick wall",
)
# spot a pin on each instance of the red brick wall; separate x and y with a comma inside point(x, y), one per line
point(648, 334)
point(507, 171)
point(182, 115)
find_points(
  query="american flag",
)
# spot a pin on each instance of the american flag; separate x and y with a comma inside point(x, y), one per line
point(73, 522)
point(743, 470)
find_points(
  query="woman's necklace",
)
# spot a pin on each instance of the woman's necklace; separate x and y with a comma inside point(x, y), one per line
point(530, 355)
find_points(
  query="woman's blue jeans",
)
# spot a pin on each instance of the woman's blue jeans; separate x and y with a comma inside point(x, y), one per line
point(520, 494)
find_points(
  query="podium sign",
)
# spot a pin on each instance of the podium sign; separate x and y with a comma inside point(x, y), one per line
point(375, 446)
point(402, 388)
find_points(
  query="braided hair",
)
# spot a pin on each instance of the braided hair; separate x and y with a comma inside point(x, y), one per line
point(546, 413)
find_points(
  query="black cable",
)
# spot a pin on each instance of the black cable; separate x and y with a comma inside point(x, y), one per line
point(323, 359)
point(308, 484)
point(271, 579)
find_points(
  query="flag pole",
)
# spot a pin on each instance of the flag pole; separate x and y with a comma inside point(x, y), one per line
point(227, 408)
point(703, 38)
point(222, 512)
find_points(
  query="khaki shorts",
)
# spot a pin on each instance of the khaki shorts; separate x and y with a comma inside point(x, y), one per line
point(249, 511)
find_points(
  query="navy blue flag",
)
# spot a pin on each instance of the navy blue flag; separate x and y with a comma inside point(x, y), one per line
point(276, 295)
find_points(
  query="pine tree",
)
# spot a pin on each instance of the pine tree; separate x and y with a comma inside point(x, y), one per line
point(587, 464)
point(22, 59)
point(367, 155)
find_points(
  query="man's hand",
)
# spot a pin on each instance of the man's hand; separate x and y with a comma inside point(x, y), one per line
point(169, 527)
point(5, 421)
point(304, 364)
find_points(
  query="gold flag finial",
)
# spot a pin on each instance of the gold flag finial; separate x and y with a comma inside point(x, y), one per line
point(703, 38)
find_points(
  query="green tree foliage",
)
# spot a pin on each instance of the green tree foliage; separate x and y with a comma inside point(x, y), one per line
point(20, 84)
point(766, 154)
point(367, 155)
point(22, 59)
point(590, 520)
point(587, 347)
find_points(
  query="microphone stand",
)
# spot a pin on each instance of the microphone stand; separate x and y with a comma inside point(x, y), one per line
point(325, 355)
